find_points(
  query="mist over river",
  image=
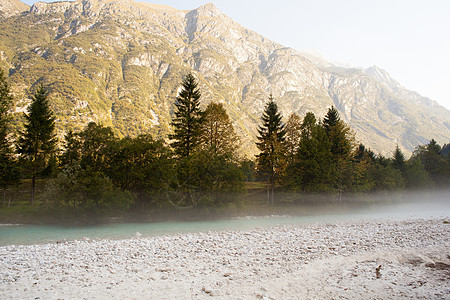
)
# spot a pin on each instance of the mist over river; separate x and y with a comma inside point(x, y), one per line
point(413, 206)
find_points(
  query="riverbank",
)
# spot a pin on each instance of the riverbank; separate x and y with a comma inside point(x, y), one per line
point(252, 204)
point(315, 261)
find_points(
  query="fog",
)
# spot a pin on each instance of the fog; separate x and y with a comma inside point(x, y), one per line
point(300, 210)
point(410, 204)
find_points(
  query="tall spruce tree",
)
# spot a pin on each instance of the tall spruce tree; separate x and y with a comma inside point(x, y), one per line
point(331, 119)
point(9, 173)
point(342, 143)
point(38, 141)
point(340, 135)
point(434, 163)
point(271, 145)
point(398, 161)
point(311, 168)
point(188, 118)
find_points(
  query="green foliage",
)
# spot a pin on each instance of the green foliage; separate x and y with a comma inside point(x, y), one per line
point(38, 141)
point(436, 165)
point(340, 135)
point(326, 161)
point(331, 119)
point(271, 144)
point(399, 161)
point(209, 180)
point(211, 176)
point(72, 149)
point(271, 137)
point(416, 176)
point(217, 131)
point(293, 135)
point(142, 164)
point(97, 146)
point(248, 168)
point(187, 119)
point(387, 178)
point(9, 171)
point(312, 167)
point(86, 190)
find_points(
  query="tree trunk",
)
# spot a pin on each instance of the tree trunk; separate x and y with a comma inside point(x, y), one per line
point(272, 181)
point(33, 185)
point(4, 196)
point(272, 193)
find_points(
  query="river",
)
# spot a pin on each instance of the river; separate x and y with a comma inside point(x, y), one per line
point(11, 234)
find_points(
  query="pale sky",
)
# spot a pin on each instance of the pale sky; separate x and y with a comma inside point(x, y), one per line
point(407, 38)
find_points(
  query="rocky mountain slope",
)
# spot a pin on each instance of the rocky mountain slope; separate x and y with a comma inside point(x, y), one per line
point(120, 63)
point(10, 8)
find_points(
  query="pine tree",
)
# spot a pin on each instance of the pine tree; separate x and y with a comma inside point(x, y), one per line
point(188, 117)
point(340, 135)
point(434, 163)
point(5, 104)
point(398, 161)
point(331, 119)
point(341, 140)
point(271, 145)
point(9, 173)
point(311, 170)
point(38, 141)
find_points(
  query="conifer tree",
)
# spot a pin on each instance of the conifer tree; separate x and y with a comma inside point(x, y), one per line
point(38, 141)
point(331, 119)
point(434, 163)
point(340, 135)
point(188, 117)
point(398, 161)
point(311, 170)
point(341, 140)
point(271, 145)
point(9, 173)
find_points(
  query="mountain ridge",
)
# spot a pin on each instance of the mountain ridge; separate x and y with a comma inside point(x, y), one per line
point(120, 63)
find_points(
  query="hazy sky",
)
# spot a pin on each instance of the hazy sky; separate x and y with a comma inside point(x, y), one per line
point(407, 38)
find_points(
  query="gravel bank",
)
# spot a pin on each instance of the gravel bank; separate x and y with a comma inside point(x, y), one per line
point(318, 261)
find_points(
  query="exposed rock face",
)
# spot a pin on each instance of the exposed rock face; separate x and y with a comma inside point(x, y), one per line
point(10, 8)
point(120, 63)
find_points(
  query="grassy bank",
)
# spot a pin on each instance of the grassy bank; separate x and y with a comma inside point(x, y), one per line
point(252, 202)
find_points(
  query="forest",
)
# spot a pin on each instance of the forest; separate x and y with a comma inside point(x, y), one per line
point(92, 173)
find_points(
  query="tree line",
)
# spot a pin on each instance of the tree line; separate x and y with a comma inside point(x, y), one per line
point(311, 155)
point(93, 171)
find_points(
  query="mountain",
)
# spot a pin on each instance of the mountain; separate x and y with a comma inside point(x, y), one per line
point(120, 63)
point(10, 8)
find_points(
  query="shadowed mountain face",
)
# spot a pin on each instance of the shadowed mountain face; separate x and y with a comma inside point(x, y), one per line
point(120, 63)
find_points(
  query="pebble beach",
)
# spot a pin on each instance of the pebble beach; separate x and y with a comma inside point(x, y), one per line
point(371, 259)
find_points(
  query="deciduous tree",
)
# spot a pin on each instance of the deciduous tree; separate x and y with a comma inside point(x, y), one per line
point(293, 136)
point(217, 131)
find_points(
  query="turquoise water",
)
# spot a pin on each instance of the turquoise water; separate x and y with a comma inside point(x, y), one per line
point(38, 234)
